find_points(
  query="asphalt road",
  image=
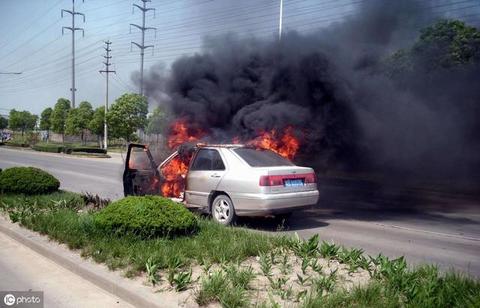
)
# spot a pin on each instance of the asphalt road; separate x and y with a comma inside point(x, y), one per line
point(424, 226)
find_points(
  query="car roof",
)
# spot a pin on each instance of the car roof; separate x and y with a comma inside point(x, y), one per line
point(228, 146)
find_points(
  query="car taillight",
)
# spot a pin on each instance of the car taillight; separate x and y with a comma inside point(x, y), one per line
point(271, 180)
point(310, 178)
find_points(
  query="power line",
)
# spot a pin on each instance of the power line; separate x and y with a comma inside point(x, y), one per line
point(142, 28)
point(107, 72)
point(73, 13)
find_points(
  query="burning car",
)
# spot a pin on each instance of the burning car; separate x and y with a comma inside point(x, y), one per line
point(226, 180)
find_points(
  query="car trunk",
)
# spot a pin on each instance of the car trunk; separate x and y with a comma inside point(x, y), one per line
point(285, 179)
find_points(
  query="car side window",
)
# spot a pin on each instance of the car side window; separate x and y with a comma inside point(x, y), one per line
point(217, 162)
point(206, 160)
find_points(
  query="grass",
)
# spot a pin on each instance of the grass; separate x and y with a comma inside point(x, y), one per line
point(392, 284)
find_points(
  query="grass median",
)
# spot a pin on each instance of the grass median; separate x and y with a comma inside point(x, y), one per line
point(237, 267)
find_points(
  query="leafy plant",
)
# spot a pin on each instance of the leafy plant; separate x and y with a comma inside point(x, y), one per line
point(302, 280)
point(307, 248)
point(27, 180)
point(181, 280)
point(285, 266)
point(266, 264)
point(328, 250)
point(152, 269)
point(325, 283)
point(240, 277)
point(146, 216)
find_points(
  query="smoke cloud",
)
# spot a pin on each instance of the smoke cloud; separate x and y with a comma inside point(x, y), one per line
point(331, 87)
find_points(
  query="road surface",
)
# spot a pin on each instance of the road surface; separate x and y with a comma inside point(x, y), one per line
point(426, 227)
point(22, 269)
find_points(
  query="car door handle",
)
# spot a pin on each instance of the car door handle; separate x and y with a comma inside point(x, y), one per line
point(215, 175)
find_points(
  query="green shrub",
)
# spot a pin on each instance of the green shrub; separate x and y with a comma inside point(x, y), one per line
point(52, 148)
point(89, 150)
point(70, 150)
point(27, 180)
point(147, 216)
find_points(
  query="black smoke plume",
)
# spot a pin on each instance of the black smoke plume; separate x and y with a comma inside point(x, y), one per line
point(331, 87)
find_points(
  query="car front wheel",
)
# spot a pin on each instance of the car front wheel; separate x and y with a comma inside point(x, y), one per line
point(223, 211)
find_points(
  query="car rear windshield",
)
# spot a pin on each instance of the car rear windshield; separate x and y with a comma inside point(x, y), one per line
point(262, 158)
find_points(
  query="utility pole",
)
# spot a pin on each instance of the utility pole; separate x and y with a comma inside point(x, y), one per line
point(280, 21)
point(142, 28)
point(107, 71)
point(73, 29)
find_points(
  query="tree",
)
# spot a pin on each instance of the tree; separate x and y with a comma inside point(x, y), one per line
point(127, 114)
point(3, 123)
point(445, 44)
point(96, 124)
point(22, 120)
point(157, 122)
point(45, 120)
point(78, 119)
point(448, 43)
point(59, 116)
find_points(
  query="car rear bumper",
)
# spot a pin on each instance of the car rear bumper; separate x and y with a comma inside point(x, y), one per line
point(271, 204)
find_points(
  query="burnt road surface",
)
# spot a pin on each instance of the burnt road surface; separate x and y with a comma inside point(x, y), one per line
point(425, 226)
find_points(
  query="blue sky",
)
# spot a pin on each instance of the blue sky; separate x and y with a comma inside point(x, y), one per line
point(31, 40)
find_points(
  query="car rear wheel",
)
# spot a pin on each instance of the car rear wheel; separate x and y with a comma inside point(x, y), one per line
point(223, 211)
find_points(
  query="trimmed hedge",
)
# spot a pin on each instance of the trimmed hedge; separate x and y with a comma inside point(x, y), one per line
point(147, 216)
point(85, 150)
point(27, 180)
point(52, 148)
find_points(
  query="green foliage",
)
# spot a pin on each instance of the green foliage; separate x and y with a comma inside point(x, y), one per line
point(157, 122)
point(22, 120)
point(52, 148)
point(70, 150)
point(449, 43)
point(147, 217)
point(445, 44)
point(96, 124)
point(3, 123)
point(78, 119)
point(59, 115)
point(45, 119)
point(127, 114)
point(27, 180)
point(219, 287)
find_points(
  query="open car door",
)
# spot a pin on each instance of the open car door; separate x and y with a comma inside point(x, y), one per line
point(140, 176)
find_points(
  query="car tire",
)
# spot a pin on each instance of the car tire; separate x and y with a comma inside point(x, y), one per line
point(223, 210)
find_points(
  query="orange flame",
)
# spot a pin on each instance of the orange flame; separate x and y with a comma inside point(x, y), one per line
point(285, 144)
point(180, 133)
point(174, 173)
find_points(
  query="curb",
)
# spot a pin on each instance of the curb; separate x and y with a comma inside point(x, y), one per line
point(93, 273)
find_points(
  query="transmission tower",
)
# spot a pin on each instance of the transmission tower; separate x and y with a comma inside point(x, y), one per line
point(73, 29)
point(142, 28)
point(107, 72)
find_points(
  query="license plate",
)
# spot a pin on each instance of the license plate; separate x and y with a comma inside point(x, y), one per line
point(293, 182)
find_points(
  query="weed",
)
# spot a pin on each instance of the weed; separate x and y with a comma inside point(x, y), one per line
point(306, 248)
point(211, 287)
point(152, 269)
point(328, 250)
point(279, 283)
point(240, 277)
point(302, 280)
point(325, 283)
point(315, 266)
point(285, 266)
point(181, 280)
point(305, 263)
point(266, 264)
